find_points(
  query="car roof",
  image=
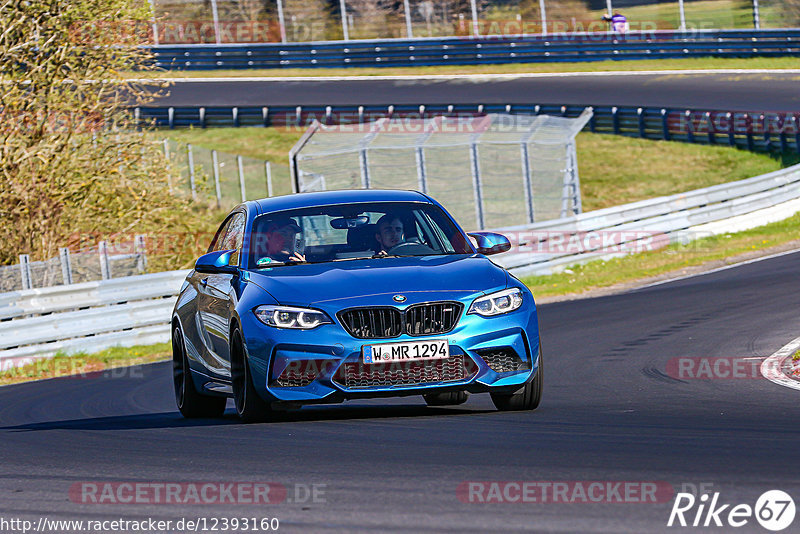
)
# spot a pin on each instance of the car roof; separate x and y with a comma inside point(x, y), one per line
point(327, 198)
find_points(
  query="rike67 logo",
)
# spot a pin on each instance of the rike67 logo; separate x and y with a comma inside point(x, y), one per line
point(774, 510)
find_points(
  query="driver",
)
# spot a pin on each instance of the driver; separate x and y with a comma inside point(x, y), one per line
point(282, 241)
point(390, 232)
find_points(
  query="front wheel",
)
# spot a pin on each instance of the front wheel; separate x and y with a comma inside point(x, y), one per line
point(527, 399)
point(190, 403)
point(250, 407)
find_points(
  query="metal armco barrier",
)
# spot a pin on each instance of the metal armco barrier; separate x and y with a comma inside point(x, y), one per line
point(90, 316)
point(484, 50)
point(755, 131)
point(136, 310)
point(541, 248)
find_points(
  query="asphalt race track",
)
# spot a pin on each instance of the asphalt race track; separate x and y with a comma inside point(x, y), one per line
point(610, 413)
point(764, 92)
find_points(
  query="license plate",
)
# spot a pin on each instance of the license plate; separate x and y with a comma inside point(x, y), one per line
point(432, 349)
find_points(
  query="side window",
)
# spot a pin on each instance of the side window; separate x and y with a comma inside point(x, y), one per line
point(234, 237)
point(219, 238)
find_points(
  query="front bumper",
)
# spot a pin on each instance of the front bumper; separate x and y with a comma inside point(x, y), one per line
point(316, 366)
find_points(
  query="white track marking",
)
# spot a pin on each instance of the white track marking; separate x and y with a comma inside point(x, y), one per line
point(771, 368)
point(468, 77)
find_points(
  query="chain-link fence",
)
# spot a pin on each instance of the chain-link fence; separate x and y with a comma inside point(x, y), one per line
point(491, 170)
point(262, 21)
point(228, 179)
point(98, 262)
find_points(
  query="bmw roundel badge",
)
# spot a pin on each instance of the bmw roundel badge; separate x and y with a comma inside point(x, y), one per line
point(399, 298)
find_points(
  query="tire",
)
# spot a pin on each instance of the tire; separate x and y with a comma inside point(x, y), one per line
point(446, 399)
point(250, 407)
point(190, 403)
point(527, 399)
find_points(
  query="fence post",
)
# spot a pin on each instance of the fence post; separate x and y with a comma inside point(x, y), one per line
point(268, 169)
point(364, 165)
point(640, 115)
point(202, 114)
point(141, 250)
point(731, 129)
point(665, 124)
point(66, 265)
point(422, 176)
point(543, 13)
point(765, 129)
point(241, 176)
point(102, 253)
point(191, 171)
point(265, 115)
point(712, 137)
point(215, 164)
point(169, 169)
point(526, 180)
point(749, 129)
point(756, 16)
point(407, 10)
point(782, 135)
point(615, 120)
point(475, 32)
point(25, 270)
point(343, 9)
point(476, 185)
point(215, 15)
point(682, 15)
point(281, 21)
point(689, 126)
point(235, 116)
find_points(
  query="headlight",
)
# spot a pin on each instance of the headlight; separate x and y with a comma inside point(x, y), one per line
point(286, 317)
point(497, 303)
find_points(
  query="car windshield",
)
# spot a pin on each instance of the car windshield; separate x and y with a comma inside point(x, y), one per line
point(353, 231)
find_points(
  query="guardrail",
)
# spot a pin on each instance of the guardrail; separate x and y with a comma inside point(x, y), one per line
point(567, 47)
point(755, 131)
point(90, 316)
point(136, 310)
point(606, 233)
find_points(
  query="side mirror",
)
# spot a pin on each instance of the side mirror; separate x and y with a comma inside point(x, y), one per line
point(491, 243)
point(215, 263)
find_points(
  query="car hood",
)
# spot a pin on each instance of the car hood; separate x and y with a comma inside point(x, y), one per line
point(357, 280)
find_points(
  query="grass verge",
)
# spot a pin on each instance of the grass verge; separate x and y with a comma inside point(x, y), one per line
point(674, 259)
point(82, 364)
point(705, 63)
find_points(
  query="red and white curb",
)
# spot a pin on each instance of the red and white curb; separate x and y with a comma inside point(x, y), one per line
point(772, 367)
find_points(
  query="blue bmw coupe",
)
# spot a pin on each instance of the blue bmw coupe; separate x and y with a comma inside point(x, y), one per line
point(329, 296)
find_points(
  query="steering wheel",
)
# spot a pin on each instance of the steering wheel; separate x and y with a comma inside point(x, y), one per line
point(409, 248)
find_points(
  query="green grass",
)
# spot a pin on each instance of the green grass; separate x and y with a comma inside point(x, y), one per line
point(599, 274)
point(616, 170)
point(82, 363)
point(708, 14)
point(509, 68)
